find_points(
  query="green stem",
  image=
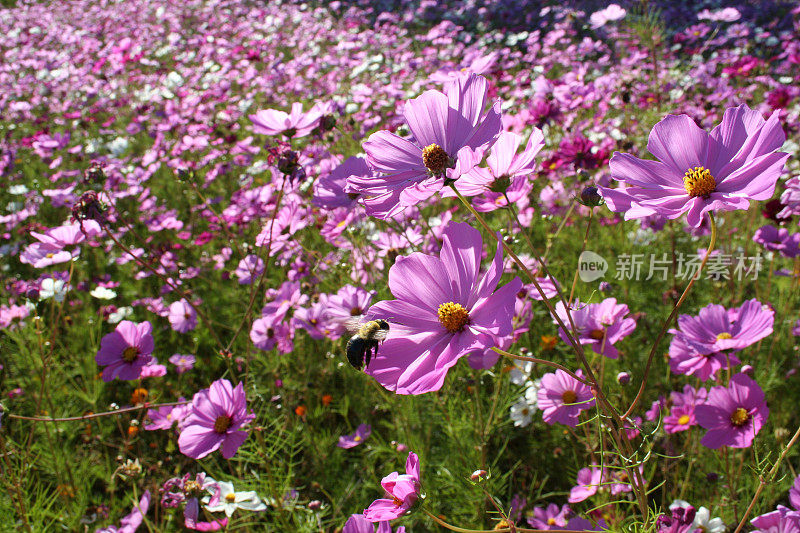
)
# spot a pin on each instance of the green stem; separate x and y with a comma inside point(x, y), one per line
point(674, 312)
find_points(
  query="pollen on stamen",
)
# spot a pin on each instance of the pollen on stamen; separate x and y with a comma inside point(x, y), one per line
point(569, 396)
point(740, 417)
point(129, 354)
point(435, 159)
point(453, 316)
point(724, 336)
point(222, 423)
point(698, 181)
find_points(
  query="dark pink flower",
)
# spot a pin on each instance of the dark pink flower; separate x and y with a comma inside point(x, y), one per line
point(698, 172)
point(350, 441)
point(733, 415)
point(182, 317)
point(562, 398)
point(444, 309)
point(402, 491)
point(126, 350)
point(217, 417)
point(450, 133)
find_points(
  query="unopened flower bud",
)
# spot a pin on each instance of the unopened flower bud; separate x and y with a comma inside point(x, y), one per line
point(314, 505)
point(590, 197)
point(478, 475)
point(747, 369)
point(623, 378)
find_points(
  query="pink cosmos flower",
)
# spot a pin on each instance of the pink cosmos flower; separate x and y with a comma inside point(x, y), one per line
point(589, 480)
point(700, 342)
point(217, 416)
point(126, 350)
point(550, 517)
point(599, 325)
point(450, 133)
point(733, 415)
point(444, 310)
point(562, 398)
point(681, 415)
point(358, 524)
point(794, 494)
point(249, 268)
point(507, 174)
point(697, 172)
point(402, 491)
point(348, 302)
point(182, 317)
point(331, 191)
point(782, 520)
point(183, 363)
point(296, 123)
point(351, 441)
point(131, 523)
point(778, 240)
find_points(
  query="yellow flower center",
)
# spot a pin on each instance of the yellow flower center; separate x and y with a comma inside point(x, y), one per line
point(724, 336)
point(130, 353)
point(597, 334)
point(230, 497)
point(50, 255)
point(222, 423)
point(435, 159)
point(698, 181)
point(569, 396)
point(551, 521)
point(682, 421)
point(453, 316)
point(357, 438)
point(740, 417)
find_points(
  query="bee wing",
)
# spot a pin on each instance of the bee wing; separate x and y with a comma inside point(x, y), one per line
point(353, 324)
point(380, 335)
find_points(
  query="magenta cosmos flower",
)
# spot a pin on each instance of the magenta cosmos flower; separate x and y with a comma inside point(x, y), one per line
point(450, 133)
point(124, 351)
point(217, 416)
point(444, 309)
point(562, 398)
point(358, 524)
point(296, 123)
point(599, 325)
point(698, 172)
point(701, 343)
point(351, 441)
point(402, 491)
point(782, 520)
point(182, 317)
point(733, 415)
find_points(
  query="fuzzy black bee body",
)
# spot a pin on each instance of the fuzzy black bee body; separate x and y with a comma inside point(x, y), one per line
point(363, 346)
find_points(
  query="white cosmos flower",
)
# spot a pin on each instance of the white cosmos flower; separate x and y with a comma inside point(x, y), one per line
point(230, 500)
point(53, 288)
point(120, 314)
point(703, 520)
point(102, 293)
point(522, 412)
point(520, 372)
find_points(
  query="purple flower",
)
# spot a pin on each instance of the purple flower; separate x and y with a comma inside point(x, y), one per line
point(598, 325)
point(126, 350)
point(450, 132)
point(331, 191)
point(550, 517)
point(699, 342)
point(507, 174)
point(183, 363)
point(778, 240)
point(782, 520)
point(350, 441)
point(218, 414)
point(358, 524)
point(182, 317)
point(697, 172)
point(733, 415)
point(296, 123)
point(794, 494)
point(249, 268)
point(402, 489)
point(444, 310)
point(589, 480)
point(562, 398)
point(131, 523)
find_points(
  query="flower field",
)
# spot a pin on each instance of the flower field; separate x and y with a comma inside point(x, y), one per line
point(399, 266)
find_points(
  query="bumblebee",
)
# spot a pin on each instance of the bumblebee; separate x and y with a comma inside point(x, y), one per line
point(364, 344)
